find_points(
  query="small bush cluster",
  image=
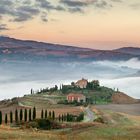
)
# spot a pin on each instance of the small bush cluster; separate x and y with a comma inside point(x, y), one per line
point(99, 119)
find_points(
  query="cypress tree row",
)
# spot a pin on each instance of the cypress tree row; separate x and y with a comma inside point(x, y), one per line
point(11, 117)
point(46, 114)
point(6, 119)
point(42, 114)
point(16, 115)
point(30, 115)
point(34, 113)
point(53, 115)
point(0, 117)
point(21, 115)
point(25, 115)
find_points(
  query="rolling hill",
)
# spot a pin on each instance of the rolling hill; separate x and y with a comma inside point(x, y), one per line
point(130, 50)
point(121, 98)
point(26, 50)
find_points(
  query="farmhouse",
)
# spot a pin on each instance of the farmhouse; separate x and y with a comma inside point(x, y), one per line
point(81, 83)
point(76, 97)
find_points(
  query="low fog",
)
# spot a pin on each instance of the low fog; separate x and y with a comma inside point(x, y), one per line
point(16, 79)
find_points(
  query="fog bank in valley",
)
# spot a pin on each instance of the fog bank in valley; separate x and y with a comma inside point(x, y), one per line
point(16, 79)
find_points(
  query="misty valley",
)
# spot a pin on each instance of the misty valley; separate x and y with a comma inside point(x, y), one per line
point(17, 78)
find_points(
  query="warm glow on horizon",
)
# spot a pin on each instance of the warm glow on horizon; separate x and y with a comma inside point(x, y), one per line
point(103, 27)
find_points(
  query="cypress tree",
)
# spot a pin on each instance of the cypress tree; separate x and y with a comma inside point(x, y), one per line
point(59, 118)
point(0, 117)
point(46, 114)
point(25, 115)
point(11, 117)
point(32, 91)
point(6, 119)
point(53, 115)
point(21, 115)
point(62, 118)
point(30, 115)
point(42, 114)
point(67, 117)
point(16, 115)
point(50, 114)
point(34, 113)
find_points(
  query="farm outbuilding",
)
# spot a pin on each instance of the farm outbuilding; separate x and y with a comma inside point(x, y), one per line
point(76, 97)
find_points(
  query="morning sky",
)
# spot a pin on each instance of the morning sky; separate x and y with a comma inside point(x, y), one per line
point(102, 24)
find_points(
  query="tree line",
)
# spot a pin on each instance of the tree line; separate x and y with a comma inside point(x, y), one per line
point(30, 115)
point(25, 115)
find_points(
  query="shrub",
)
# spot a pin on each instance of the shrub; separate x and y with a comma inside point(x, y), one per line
point(80, 117)
point(44, 124)
point(99, 119)
point(33, 124)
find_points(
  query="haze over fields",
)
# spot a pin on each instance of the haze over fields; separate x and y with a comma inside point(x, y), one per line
point(19, 81)
point(29, 64)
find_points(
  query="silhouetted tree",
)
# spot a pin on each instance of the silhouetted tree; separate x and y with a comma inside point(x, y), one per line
point(80, 117)
point(6, 119)
point(21, 114)
point(32, 92)
point(11, 117)
point(62, 118)
point(53, 115)
point(42, 114)
point(56, 87)
point(46, 114)
point(59, 118)
point(16, 115)
point(0, 117)
point(25, 115)
point(50, 114)
point(30, 114)
point(67, 117)
point(60, 87)
point(34, 113)
point(96, 84)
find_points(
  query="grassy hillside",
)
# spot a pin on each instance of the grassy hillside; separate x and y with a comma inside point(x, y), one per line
point(116, 127)
point(98, 95)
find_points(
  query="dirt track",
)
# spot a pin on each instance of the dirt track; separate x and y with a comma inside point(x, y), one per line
point(131, 109)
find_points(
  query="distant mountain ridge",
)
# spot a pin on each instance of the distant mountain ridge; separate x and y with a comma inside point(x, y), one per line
point(28, 50)
point(130, 50)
